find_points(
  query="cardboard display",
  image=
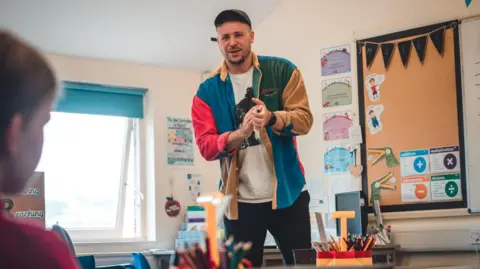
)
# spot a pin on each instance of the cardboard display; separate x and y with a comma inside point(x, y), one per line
point(29, 206)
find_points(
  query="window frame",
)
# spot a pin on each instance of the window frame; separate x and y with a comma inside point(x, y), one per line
point(90, 235)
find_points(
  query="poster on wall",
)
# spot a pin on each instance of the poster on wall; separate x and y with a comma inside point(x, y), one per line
point(335, 60)
point(446, 187)
point(337, 92)
point(29, 207)
point(195, 186)
point(414, 162)
point(336, 125)
point(338, 159)
point(445, 159)
point(179, 141)
point(416, 189)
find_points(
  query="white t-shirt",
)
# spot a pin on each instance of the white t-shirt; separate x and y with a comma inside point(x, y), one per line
point(255, 174)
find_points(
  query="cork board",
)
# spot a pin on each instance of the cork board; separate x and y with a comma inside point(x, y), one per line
point(411, 119)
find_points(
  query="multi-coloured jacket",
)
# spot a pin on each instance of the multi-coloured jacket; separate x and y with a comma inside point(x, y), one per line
point(279, 84)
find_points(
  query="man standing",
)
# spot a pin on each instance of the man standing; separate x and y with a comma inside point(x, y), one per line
point(247, 115)
point(27, 91)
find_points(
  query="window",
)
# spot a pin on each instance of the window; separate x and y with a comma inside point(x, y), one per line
point(91, 163)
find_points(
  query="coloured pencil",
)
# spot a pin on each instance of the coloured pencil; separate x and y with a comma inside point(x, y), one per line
point(231, 256)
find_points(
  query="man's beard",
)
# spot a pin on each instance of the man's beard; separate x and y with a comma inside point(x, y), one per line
point(241, 60)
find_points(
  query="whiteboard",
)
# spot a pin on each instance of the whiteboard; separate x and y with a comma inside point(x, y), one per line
point(470, 58)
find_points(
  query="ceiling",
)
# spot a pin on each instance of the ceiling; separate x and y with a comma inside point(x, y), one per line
point(157, 32)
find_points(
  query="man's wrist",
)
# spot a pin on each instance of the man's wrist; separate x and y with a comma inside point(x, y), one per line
point(240, 134)
point(273, 119)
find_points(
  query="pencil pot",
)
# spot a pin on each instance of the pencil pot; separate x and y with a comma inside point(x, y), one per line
point(334, 258)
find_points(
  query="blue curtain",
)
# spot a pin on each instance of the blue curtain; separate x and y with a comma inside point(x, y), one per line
point(96, 99)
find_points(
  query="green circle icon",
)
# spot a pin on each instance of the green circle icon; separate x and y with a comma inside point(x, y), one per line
point(451, 189)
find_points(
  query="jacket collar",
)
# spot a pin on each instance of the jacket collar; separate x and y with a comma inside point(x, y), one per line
point(223, 70)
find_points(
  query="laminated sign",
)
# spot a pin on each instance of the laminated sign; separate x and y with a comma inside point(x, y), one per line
point(29, 206)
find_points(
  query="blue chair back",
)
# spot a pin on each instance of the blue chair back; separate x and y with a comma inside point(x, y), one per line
point(139, 261)
point(86, 262)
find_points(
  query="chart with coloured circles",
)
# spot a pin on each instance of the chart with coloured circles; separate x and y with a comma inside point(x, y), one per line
point(412, 151)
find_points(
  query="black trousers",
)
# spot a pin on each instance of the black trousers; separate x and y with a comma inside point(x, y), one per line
point(289, 226)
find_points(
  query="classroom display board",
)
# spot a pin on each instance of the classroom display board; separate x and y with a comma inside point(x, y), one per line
point(411, 115)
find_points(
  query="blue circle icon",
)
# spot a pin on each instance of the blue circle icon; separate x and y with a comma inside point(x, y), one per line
point(420, 164)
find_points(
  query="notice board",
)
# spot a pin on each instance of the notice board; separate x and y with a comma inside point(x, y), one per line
point(410, 103)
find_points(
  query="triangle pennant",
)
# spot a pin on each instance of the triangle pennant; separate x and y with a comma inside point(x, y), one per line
point(371, 51)
point(387, 52)
point(420, 44)
point(467, 2)
point(437, 38)
point(404, 48)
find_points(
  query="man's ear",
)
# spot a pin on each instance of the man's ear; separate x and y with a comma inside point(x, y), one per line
point(13, 132)
point(252, 36)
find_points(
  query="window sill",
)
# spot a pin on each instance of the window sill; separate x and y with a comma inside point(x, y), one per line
point(114, 247)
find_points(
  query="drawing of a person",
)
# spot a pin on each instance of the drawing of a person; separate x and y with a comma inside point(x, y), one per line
point(373, 87)
point(374, 119)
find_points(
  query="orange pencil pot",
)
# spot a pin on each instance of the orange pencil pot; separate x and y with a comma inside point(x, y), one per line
point(342, 254)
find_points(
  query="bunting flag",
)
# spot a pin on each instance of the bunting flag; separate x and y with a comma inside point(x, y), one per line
point(371, 51)
point(387, 52)
point(438, 39)
point(404, 48)
point(420, 43)
point(467, 2)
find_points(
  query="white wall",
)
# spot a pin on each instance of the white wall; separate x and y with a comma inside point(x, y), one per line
point(298, 30)
point(170, 93)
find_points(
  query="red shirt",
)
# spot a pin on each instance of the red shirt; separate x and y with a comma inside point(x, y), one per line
point(26, 246)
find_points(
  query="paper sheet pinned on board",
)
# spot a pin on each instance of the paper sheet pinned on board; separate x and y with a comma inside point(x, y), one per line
point(319, 203)
point(336, 125)
point(316, 186)
point(195, 186)
point(342, 183)
point(337, 92)
point(336, 60)
point(373, 82)
point(373, 114)
point(356, 134)
point(338, 159)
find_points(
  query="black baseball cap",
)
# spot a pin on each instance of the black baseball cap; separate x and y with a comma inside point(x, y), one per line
point(230, 15)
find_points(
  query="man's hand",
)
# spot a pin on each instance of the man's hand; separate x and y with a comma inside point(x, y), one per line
point(247, 125)
point(236, 138)
point(261, 115)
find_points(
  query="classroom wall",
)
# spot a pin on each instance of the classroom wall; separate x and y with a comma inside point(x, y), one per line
point(170, 92)
point(298, 30)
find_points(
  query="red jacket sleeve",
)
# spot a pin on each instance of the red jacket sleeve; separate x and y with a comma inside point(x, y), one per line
point(211, 144)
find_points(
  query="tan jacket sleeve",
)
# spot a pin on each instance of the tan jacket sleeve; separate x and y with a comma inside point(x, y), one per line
point(296, 112)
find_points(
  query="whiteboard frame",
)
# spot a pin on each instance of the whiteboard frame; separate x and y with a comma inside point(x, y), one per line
point(466, 101)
